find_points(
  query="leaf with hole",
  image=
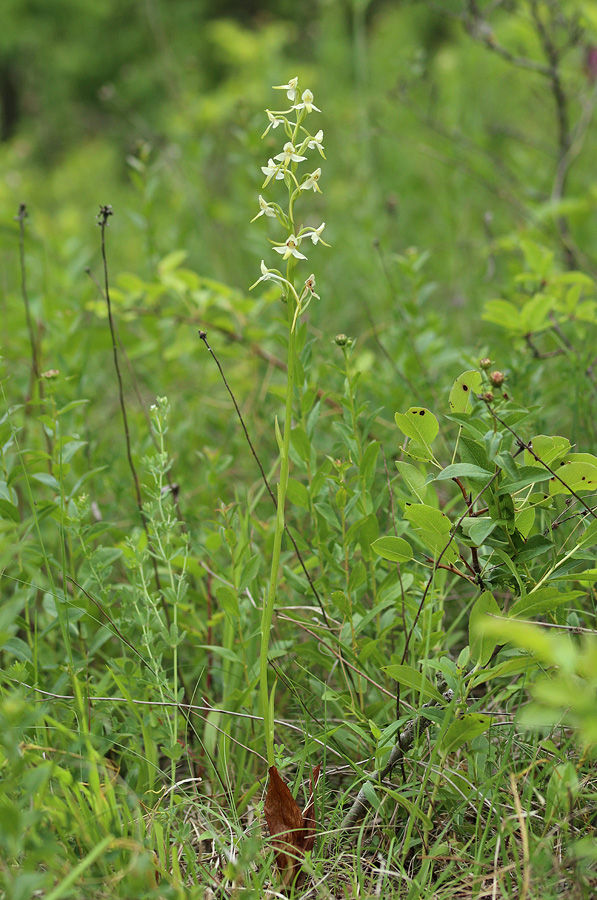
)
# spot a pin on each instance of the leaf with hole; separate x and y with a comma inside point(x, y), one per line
point(420, 425)
point(463, 390)
point(576, 476)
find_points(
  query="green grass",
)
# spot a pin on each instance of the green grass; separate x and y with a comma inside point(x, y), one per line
point(428, 424)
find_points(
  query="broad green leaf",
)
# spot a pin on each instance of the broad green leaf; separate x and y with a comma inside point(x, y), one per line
point(524, 520)
point(525, 476)
point(249, 572)
point(9, 511)
point(541, 601)
point(69, 449)
point(419, 424)
point(297, 493)
point(462, 391)
point(48, 480)
point(301, 443)
point(433, 527)
point(503, 313)
point(227, 599)
point(479, 528)
point(482, 645)
point(576, 476)
point(394, 549)
point(551, 649)
point(415, 480)
point(585, 576)
point(463, 470)
point(172, 261)
point(472, 451)
point(509, 667)
point(548, 448)
point(534, 314)
point(463, 730)
point(367, 467)
point(589, 537)
point(411, 678)
point(224, 652)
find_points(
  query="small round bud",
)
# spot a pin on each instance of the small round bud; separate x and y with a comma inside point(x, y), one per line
point(485, 363)
point(342, 340)
point(497, 378)
point(487, 396)
point(50, 374)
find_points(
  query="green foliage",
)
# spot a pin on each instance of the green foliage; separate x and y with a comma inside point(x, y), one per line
point(433, 573)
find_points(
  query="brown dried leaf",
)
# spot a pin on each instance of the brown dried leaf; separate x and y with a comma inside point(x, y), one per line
point(293, 833)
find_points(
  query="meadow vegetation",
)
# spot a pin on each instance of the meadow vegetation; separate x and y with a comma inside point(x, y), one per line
point(299, 450)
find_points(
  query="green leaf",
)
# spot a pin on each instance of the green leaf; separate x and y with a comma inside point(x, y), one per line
point(503, 313)
point(510, 667)
point(548, 448)
point(9, 511)
point(420, 425)
point(589, 537)
point(224, 652)
point(301, 443)
point(47, 479)
point(577, 476)
point(538, 602)
point(415, 480)
point(463, 389)
point(433, 527)
point(482, 645)
point(463, 470)
point(249, 572)
point(479, 528)
point(525, 476)
point(394, 549)
point(413, 679)
point(297, 493)
point(367, 467)
point(171, 262)
point(463, 730)
point(370, 795)
point(411, 808)
point(227, 599)
point(472, 451)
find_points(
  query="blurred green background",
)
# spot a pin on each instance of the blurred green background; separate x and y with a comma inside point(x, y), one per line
point(156, 107)
point(442, 156)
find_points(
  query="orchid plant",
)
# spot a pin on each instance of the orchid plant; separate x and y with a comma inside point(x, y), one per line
point(286, 166)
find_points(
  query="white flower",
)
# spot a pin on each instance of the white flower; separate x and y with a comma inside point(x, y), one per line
point(307, 103)
point(274, 121)
point(290, 88)
point(311, 182)
point(265, 209)
point(289, 154)
point(290, 248)
point(272, 171)
point(267, 275)
point(315, 234)
point(310, 286)
point(316, 142)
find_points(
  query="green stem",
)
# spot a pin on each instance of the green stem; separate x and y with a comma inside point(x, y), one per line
point(268, 608)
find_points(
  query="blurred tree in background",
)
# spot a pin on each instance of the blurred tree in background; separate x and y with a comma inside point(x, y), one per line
point(449, 125)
